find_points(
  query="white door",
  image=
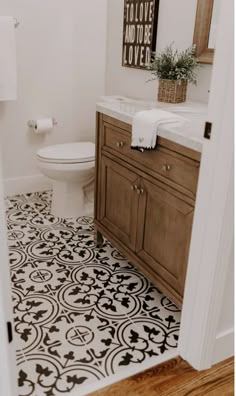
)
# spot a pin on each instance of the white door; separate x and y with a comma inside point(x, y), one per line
point(8, 376)
point(212, 235)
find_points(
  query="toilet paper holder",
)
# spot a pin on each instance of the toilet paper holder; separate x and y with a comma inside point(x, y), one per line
point(32, 123)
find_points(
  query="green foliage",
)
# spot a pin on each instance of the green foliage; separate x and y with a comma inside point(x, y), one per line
point(171, 64)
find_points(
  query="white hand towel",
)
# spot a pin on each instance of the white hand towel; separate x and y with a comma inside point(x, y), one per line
point(145, 126)
point(8, 78)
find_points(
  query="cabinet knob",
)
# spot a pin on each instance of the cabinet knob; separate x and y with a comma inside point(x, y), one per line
point(134, 187)
point(140, 191)
point(120, 144)
point(166, 168)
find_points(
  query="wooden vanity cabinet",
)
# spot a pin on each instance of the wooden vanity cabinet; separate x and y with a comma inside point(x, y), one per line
point(144, 203)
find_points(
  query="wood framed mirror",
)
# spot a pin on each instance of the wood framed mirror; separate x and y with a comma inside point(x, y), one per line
point(202, 31)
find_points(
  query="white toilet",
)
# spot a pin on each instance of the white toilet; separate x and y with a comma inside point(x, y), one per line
point(71, 167)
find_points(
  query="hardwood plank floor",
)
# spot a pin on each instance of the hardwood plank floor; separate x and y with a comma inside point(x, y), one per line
point(176, 378)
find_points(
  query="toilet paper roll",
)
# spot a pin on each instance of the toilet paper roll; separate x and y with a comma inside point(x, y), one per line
point(43, 125)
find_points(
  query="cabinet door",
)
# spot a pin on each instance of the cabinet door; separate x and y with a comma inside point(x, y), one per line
point(119, 201)
point(164, 231)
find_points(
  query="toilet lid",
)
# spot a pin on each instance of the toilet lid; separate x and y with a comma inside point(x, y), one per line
point(68, 152)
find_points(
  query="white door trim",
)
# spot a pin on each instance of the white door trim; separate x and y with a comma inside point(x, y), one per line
point(212, 235)
point(8, 377)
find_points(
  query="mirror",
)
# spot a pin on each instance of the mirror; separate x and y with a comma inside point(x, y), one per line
point(214, 23)
point(205, 29)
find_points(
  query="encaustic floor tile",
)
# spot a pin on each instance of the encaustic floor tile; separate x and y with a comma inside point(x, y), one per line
point(81, 314)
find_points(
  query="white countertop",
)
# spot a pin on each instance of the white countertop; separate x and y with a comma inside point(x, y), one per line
point(190, 135)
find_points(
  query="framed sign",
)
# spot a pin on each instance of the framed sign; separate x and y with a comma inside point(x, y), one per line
point(140, 30)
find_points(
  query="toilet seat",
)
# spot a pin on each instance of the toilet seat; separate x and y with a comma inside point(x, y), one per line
point(71, 167)
point(68, 153)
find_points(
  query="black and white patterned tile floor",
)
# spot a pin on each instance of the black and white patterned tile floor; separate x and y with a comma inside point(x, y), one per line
point(82, 315)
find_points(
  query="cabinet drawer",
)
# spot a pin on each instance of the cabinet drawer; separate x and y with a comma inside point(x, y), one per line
point(169, 164)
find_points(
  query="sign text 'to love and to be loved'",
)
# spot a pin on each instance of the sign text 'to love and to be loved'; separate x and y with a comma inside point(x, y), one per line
point(140, 29)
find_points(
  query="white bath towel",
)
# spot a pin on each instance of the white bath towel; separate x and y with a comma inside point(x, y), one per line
point(8, 79)
point(145, 126)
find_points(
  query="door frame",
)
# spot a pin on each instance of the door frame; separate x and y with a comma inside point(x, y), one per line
point(8, 375)
point(212, 234)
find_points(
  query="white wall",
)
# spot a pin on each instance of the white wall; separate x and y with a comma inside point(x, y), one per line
point(175, 24)
point(61, 48)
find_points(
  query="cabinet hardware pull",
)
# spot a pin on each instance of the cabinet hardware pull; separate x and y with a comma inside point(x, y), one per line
point(120, 144)
point(138, 191)
point(132, 188)
point(142, 191)
point(166, 168)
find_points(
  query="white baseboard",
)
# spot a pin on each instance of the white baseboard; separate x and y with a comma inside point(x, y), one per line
point(224, 346)
point(27, 184)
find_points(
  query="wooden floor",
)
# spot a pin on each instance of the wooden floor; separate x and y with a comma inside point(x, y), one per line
point(176, 378)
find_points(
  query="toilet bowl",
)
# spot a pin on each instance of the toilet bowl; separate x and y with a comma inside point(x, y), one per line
point(71, 167)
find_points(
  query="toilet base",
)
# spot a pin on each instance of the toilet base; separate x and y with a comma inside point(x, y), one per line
point(70, 200)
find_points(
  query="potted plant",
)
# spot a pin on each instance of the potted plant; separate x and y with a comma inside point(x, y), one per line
point(174, 69)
